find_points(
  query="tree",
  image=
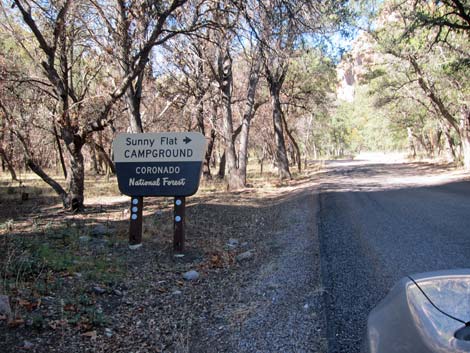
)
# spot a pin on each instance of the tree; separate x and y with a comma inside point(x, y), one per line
point(281, 27)
point(443, 15)
point(133, 29)
point(70, 60)
point(434, 64)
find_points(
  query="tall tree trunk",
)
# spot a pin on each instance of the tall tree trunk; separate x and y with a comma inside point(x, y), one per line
point(59, 149)
point(411, 144)
point(206, 169)
point(294, 143)
point(222, 165)
point(208, 156)
point(94, 160)
point(437, 141)
point(449, 143)
point(282, 162)
point(465, 135)
point(247, 116)
point(427, 145)
point(225, 78)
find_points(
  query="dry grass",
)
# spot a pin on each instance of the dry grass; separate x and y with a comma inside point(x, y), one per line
point(46, 258)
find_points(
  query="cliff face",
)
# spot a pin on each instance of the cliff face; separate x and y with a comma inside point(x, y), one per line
point(353, 67)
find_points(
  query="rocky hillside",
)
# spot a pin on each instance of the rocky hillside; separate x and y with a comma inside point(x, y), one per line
point(353, 66)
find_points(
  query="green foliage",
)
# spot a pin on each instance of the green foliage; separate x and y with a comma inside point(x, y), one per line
point(365, 127)
point(417, 84)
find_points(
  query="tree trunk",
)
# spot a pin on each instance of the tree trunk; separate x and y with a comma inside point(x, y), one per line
point(411, 144)
point(206, 169)
point(247, 116)
point(75, 175)
point(294, 143)
point(133, 105)
point(208, 157)
point(39, 171)
point(59, 149)
point(48, 180)
point(102, 155)
point(437, 141)
point(282, 162)
point(94, 160)
point(225, 83)
point(465, 136)
point(449, 143)
point(9, 165)
point(222, 164)
point(427, 145)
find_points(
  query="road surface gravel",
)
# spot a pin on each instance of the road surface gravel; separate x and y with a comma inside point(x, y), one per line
point(333, 247)
point(378, 223)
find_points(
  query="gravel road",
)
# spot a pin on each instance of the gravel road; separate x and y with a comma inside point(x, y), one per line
point(378, 223)
point(276, 303)
point(289, 317)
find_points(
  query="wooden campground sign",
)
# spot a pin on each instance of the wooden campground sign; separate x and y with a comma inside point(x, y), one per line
point(158, 164)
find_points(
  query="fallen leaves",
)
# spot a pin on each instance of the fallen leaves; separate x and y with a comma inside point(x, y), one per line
point(29, 305)
point(15, 322)
point(70, 307)
point(55, 324)
point(150, 299)
point(90, 334)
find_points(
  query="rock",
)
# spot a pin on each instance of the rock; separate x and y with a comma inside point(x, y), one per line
point(232, 242)
point(84, 239)
point(98, 290)
point(100, 230)
point(191, 275)
point(48, 300)
point(99, 243)
point(247, 255)
point(5, 308)
point(27, 345)
point(117, 292)
point(244, 244)
point(108, 332)
point(177, 292)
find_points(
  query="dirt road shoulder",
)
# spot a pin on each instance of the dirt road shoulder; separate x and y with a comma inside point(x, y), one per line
point(279, 301)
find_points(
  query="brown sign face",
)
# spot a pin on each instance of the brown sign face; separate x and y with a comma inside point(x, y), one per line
point(159, 164)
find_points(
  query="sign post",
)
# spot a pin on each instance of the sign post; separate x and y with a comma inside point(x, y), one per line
point(158, 164)
point(178, 237)
point(135, 224)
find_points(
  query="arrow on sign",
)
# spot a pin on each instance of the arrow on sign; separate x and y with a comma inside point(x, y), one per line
point(187, 140)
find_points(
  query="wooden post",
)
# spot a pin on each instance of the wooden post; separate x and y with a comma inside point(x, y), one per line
point(135, 227)
point(178, 237)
